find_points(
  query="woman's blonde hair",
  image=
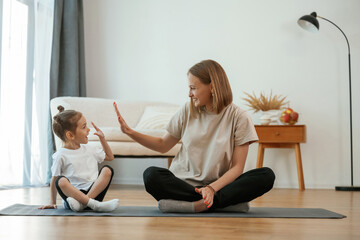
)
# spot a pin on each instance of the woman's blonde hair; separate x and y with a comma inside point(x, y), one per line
point(209, 71)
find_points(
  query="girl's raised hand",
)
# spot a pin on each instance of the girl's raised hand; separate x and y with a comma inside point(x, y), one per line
point(124, 127)
point(98, 132)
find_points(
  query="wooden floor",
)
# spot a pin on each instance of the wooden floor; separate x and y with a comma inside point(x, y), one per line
point(103, 228)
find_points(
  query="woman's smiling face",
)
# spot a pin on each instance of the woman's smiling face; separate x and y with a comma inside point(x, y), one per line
point(199, 92)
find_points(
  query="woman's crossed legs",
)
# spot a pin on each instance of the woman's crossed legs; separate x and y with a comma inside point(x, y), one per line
point(162, 184)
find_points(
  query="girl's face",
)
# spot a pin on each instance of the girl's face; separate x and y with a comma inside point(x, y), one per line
point(81, 132)
point(199, 92)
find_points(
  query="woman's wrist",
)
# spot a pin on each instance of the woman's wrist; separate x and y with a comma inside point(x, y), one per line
point(211, 188)
point(130, 132)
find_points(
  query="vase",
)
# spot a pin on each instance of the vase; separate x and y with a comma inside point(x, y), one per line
point(270, 117)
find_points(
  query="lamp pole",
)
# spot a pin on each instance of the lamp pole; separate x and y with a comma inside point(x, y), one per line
point(309, 22)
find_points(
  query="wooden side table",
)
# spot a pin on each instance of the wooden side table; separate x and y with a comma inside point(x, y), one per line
point(282, 136)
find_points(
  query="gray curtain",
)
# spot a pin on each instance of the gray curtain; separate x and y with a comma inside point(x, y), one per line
point(67, 71)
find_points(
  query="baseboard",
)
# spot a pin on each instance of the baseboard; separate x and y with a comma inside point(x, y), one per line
point(128, 181)
point(307, 186)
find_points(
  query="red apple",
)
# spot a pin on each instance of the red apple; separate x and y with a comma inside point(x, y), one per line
point(285, 117)
point(289, 116)
point(294, 116)
point(289, 110)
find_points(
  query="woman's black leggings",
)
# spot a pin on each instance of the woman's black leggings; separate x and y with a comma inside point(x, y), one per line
point(99, 197)
point(162, 184)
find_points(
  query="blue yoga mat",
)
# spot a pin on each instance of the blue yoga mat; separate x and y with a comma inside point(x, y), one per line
point(149, 211)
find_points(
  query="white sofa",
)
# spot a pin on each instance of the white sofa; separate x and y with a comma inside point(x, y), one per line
point(146, 117)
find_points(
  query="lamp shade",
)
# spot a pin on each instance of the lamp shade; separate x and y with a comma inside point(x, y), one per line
point(309, 22)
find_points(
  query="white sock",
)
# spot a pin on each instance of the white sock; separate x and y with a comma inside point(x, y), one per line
point(107, 206)
point(240, 207)
point(75, 205)
point(169, 205)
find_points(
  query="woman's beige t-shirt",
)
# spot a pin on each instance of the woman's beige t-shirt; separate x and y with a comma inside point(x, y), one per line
point(208, 142)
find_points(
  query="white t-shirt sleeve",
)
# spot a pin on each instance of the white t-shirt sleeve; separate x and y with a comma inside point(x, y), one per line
point(58, 162)
point(97, 152)
point(244, 130)
point(99, 155)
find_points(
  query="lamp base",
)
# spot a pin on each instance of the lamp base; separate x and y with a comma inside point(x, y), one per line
point(347, 188)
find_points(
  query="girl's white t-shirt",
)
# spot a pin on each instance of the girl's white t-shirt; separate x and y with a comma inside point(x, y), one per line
point(80, 166)
point(208, 142)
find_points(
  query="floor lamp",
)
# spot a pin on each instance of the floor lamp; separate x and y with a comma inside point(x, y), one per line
point(310, 23)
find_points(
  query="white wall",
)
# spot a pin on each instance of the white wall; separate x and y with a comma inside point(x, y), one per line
point(142, 49)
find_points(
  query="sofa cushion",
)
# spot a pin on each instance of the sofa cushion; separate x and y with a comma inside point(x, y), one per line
point(156, 117)
point(135, 149)
point(115, 134)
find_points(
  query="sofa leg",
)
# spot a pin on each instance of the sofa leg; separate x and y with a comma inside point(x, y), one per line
point(169, 161)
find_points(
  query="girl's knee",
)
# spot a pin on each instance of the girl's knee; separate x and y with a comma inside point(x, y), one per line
point(107, 171)
point(62, 181)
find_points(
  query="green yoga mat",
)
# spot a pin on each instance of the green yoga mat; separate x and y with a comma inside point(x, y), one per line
point(146, 211)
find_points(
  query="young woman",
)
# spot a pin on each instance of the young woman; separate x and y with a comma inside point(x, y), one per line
point(75, 167)
point(207, 173)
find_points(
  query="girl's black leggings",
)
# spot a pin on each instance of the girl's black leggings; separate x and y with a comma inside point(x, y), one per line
point(99, 197)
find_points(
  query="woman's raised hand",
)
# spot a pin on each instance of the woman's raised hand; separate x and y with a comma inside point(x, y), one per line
point(124, 127)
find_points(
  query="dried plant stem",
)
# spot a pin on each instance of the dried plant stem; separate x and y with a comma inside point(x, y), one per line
point(264, 103)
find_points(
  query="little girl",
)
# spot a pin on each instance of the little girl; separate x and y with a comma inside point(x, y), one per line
point(75, 166)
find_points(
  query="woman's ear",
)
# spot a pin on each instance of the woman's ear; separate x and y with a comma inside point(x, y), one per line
point(211, 88)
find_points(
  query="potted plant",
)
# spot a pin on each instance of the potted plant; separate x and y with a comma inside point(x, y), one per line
point(270, 106)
